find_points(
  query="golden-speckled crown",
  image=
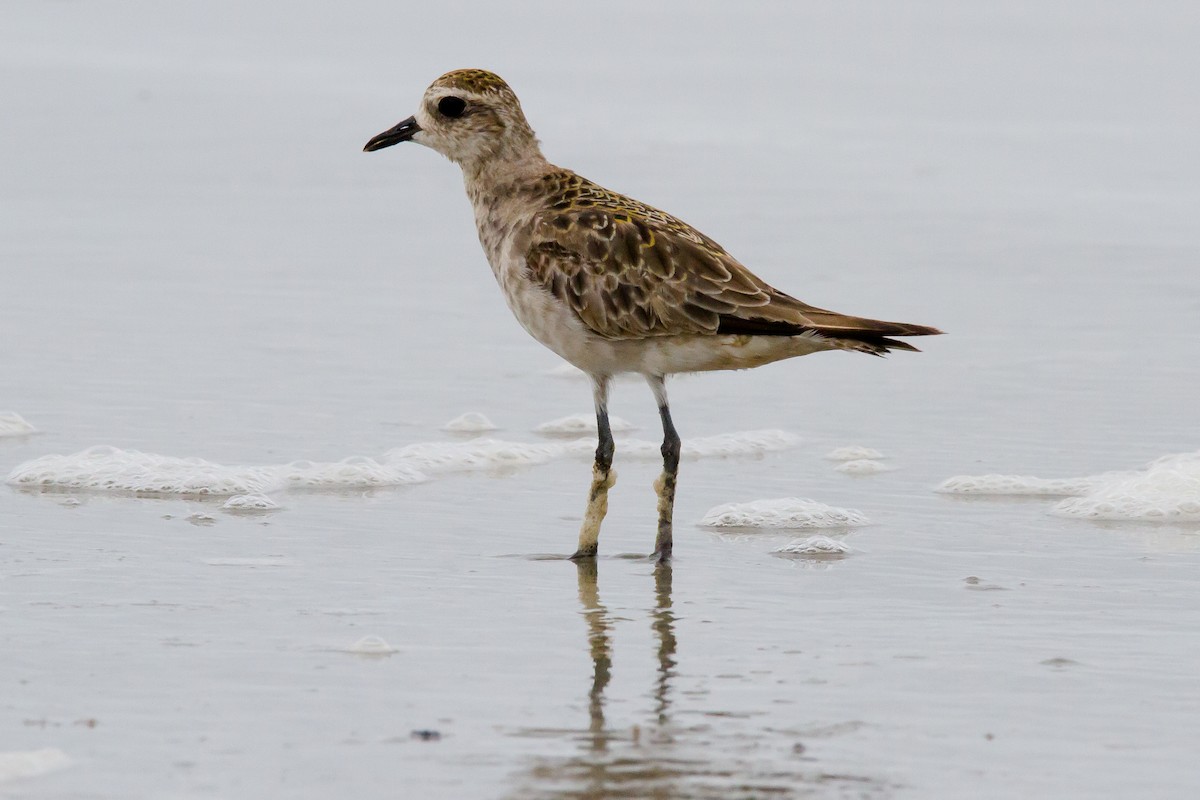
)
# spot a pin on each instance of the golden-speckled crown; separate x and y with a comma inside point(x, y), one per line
point(476, 81)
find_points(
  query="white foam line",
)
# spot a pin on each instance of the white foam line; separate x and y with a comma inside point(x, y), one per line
point(1166, 490)
point(1017, 485)
point(108, 469)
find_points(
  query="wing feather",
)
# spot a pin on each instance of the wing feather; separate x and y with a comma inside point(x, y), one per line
point(631, 271)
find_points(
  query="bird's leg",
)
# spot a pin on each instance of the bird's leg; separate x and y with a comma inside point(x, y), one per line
point(603, 475)
point(665, 485)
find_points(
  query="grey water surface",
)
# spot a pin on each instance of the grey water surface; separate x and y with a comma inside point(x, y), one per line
point(196, 260)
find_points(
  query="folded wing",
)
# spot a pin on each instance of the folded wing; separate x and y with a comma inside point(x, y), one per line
point(630, 271)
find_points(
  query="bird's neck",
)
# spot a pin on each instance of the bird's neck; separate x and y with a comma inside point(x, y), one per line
point(504, 197)
point(499, 180)
point(503, 167)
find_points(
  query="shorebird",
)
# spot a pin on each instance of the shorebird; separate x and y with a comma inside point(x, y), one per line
point(611, 284)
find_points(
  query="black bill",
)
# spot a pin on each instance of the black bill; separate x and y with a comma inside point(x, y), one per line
point(401, 133)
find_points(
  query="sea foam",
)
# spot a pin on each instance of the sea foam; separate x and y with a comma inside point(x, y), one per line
point(862, 466)
point(372, 647)
point(12, 424)
point(815, 547)
point(786, 512)
point(1018, 485)
point(16, 764)
point(853, 452)
point(1166, 490)
point(579, 424)
point(723, 445)
point(109, 469)
point(250, 504)
point(470, 422)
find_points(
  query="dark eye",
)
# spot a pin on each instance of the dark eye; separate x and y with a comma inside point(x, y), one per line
point(452, 107)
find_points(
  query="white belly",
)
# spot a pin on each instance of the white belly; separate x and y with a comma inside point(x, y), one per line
point(546, 318)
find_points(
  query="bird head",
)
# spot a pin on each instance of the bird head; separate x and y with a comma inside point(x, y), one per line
point(470, 116)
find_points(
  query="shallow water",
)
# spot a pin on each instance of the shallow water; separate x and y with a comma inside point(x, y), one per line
point(196, 261)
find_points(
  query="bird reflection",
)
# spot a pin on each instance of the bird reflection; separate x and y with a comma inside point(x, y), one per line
point(664, 629)
point(600, 645)
point(696, 762)
point(620, 762)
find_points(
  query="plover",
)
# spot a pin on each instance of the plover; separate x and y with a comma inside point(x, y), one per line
point(609, 283)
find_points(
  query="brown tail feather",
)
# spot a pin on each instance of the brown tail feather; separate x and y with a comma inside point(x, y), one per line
point(852, 333)
point(876, 345)
point(787, 316)
point(831, 323)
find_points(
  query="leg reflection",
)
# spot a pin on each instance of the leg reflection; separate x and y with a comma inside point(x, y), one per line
point(647, 753)
point(600, 645)
point(664, 629)
point(628, 762)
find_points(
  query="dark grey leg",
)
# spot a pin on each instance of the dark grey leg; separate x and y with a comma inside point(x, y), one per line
point(665, 485)
point(603, 475)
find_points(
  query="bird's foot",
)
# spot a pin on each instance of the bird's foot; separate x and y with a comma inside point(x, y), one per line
point(583, 554)
point(663, 546)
